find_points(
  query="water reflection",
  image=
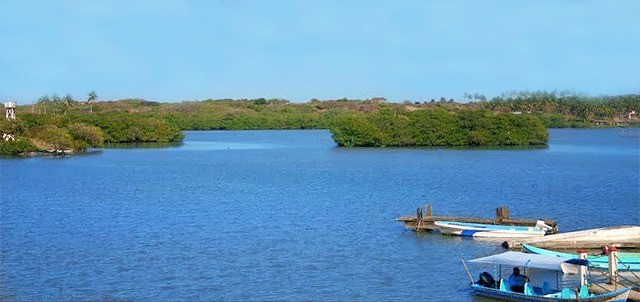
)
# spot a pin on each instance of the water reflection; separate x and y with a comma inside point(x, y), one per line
point(207, 145)
point(143, 145)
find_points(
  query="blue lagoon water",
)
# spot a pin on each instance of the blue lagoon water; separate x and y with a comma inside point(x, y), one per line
point(286, 215)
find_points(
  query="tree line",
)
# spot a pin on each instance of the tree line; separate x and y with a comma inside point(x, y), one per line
point(517, 118)
point(566, 109)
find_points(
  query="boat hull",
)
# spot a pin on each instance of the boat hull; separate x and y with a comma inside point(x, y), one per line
point(627, 236)
point(494, 293)
point(626, 261)
point(487, 230)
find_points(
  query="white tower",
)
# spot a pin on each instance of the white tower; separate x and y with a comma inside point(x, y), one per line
point(10, 109)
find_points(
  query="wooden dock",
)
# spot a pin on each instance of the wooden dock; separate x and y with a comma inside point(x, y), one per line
point(424, 220)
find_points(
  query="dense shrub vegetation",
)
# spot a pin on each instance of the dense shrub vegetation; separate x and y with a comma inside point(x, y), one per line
point(564, 109)
point(75, 132)
point(55, 124)
point(438, 127)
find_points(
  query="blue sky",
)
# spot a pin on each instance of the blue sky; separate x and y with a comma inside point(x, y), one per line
point(301, 49)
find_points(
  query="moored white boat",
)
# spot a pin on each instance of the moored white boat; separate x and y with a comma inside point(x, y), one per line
point(490, 230)
point(627, 236)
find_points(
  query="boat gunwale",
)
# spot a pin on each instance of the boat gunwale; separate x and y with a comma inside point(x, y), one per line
point(515, 296)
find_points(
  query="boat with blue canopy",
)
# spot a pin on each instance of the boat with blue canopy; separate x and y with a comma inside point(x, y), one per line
point(627, 261)
point(544, 280)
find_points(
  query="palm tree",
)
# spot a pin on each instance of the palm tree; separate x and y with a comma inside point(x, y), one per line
point(91, 97)
point(43, 102)
point(67, 102)
point(55, 101)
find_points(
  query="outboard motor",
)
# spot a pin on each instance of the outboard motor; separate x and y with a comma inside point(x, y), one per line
point(486, 280)
point(543, 226)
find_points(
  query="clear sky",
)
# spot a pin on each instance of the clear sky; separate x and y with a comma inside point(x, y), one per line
point(301, 49)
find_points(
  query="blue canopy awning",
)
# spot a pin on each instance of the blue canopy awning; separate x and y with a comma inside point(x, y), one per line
point(567, 266)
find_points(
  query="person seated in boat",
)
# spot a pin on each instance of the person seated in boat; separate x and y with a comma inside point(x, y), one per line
point(486, 280)
point(517, 281)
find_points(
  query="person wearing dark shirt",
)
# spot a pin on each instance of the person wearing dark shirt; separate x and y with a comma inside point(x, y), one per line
point(517, 281)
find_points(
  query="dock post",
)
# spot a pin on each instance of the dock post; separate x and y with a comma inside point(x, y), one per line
point(613, 266)
point(582, 271)
point(505, 213)
point(502, 213)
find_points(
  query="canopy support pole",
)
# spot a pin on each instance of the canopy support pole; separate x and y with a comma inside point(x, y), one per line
point(468, 273)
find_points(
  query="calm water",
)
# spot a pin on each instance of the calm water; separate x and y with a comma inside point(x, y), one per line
point(285, 215)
